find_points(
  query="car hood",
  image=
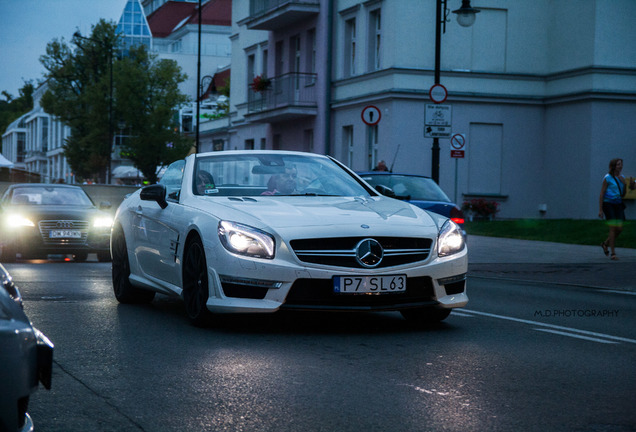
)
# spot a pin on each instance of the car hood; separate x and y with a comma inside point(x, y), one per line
point(387, 215)
point(43, 212)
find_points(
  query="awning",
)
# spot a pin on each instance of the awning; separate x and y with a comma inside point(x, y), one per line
point(5, 163)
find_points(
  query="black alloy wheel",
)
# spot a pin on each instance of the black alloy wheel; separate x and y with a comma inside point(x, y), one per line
point(195, 284)
point(125, 292)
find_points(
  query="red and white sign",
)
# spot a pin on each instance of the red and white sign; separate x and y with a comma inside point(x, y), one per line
point(371, 115)
point(458, 142)
point(438, 93)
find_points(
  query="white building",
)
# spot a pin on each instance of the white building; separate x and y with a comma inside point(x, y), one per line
point(34, 143)
point(544, 92)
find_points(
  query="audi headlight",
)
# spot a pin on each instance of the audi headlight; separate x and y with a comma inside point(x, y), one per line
point(15, 220)
point(246, 240)
point(450, 239)
point(103, 222)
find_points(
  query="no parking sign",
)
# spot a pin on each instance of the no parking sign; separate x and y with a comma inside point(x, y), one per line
point(458, 144)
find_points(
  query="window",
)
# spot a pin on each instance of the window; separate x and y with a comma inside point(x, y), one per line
point(249, 144)
point(265, 60)
point(347, 138)
point(350, 48)
point(217, 145)
point(311, 49)
point(375, 37)
point(263, 143)
point(171, 179)
point(251, 68)
point(373, 146)
point(308, 139)
point(279, 66)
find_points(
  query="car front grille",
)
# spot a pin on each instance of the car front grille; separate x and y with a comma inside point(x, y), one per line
point(319, 294)
point(340, 251)
point(46, 226)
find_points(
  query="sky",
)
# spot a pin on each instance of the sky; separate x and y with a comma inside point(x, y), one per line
point(27, 26)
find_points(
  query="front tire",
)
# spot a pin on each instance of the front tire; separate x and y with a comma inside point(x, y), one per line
point(125, 292)
point(195, 284)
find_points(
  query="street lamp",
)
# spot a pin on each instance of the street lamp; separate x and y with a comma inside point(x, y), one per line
point(465, 17)
point(110, 47)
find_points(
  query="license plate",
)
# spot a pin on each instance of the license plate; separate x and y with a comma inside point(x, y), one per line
point(369, 284)
point(65, 234)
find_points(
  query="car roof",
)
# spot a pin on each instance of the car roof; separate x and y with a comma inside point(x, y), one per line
point(57, 185)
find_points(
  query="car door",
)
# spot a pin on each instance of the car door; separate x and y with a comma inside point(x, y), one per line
point(156, 233)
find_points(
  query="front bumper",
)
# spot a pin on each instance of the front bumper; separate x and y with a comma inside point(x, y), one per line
point(262, 286)
point(30, 241)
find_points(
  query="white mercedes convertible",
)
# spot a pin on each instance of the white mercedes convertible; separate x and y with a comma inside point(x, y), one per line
point(260, 231)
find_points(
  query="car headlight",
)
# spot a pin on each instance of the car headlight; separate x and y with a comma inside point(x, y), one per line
point(15, 220)
point(450, 239)
point(246, 240)
point(103, 222)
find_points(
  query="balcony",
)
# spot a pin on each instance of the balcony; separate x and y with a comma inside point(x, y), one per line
point(289, 96)
point(275, 14)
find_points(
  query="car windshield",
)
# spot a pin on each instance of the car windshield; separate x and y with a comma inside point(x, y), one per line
point(268, 174)
point(45, 195)
point(409, 187)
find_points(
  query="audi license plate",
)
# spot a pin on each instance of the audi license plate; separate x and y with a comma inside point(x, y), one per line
point(369, 284)
point(65, 234)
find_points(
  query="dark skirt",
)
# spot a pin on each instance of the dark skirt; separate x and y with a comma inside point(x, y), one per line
point(613, 211)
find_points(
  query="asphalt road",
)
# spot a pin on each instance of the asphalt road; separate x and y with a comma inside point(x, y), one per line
point(524, 355)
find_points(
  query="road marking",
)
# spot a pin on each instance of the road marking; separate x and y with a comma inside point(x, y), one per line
point(617, 292)
point(576, 336)
point(553, 326)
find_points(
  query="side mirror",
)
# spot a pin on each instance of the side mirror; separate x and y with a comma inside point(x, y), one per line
point(156, 192)
point(386, 191)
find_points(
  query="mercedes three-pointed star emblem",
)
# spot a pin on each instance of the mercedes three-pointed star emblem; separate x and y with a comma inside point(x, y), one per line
point(369, 253)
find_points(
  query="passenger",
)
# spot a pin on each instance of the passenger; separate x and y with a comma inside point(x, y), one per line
point(204, 181)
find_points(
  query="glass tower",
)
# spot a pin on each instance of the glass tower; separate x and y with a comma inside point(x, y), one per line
point(133, 27)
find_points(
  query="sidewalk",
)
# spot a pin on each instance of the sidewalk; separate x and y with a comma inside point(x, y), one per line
point(553, 263)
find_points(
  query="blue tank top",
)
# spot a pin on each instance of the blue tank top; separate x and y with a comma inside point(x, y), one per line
point(614, 191)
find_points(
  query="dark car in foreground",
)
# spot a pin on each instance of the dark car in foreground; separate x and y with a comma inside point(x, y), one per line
point(26, 358)
point(421, 191)
point(39, 219)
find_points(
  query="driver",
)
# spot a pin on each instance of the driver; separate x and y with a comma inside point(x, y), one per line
point(282, 184)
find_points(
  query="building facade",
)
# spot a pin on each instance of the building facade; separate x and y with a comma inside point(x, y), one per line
point(540, 92)
point(34, 143)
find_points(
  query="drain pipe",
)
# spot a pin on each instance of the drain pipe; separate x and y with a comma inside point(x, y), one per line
point(327, 92)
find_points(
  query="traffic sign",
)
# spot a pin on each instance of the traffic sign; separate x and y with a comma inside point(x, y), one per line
point(371, 115)
point(437, 122)
point(438, 93)
point(458, 143)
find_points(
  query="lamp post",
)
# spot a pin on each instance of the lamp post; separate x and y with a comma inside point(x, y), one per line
point(198, 82)
point(465, 17)
point(110, 100)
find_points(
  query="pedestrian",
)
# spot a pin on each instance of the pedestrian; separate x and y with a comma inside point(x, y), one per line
point(381, 166)
point(611, 204)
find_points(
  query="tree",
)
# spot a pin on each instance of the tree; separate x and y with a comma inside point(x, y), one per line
point(91, 88)
point(79, 95)
point(147, 95)
point(11, 108)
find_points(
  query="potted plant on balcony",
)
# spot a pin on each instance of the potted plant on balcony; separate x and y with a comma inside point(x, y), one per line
point(261, 83)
